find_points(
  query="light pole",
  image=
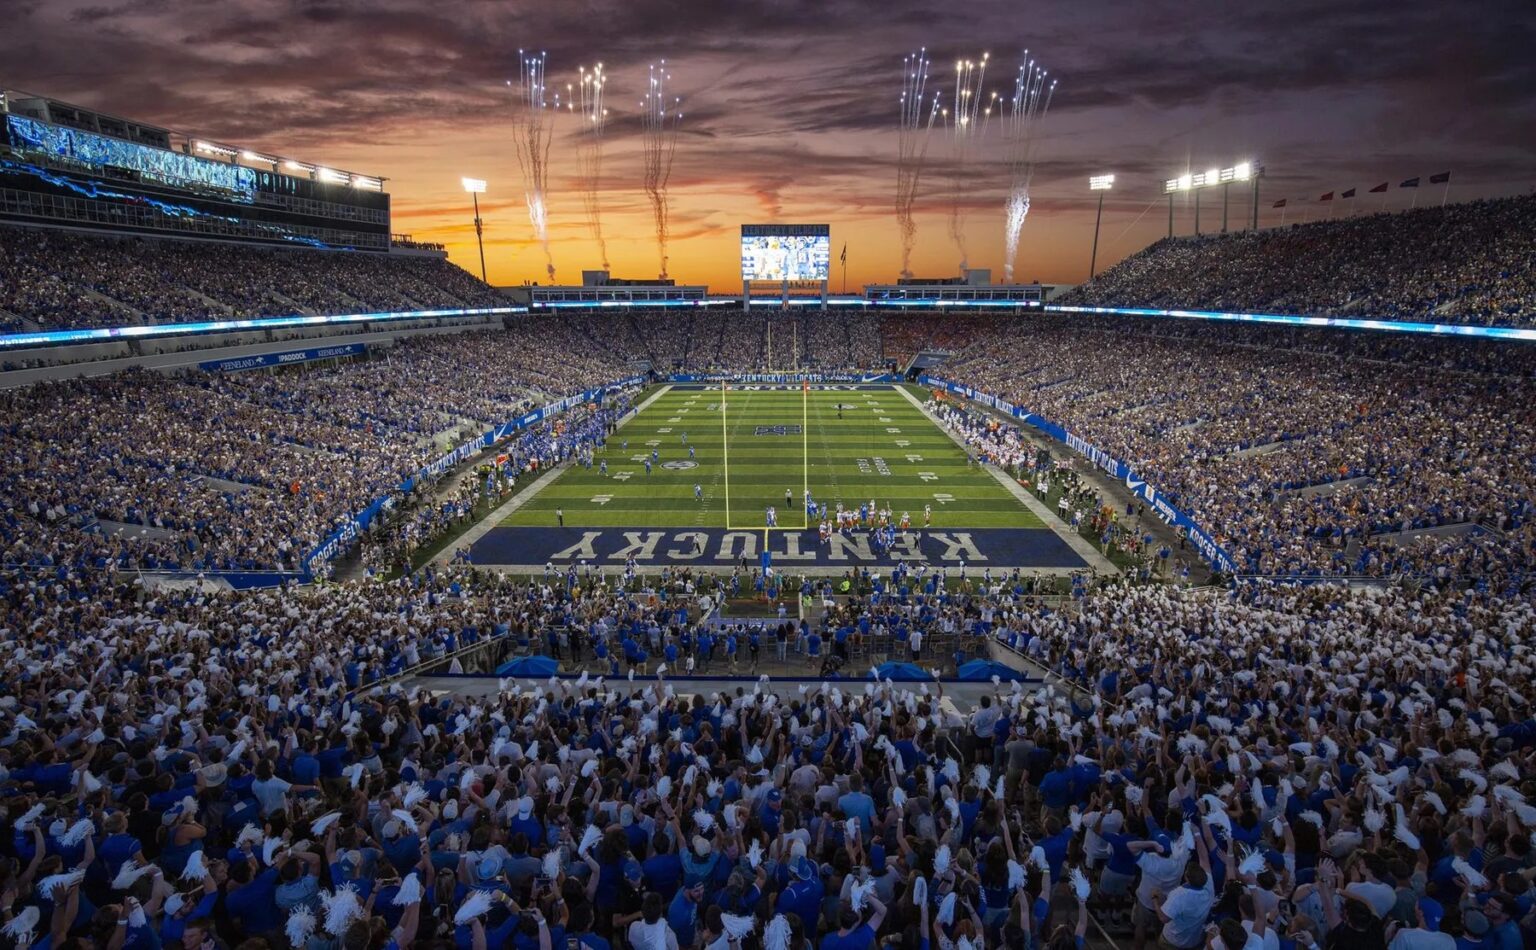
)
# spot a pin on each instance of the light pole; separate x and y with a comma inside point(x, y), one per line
point(1242, 171)
point(1101, 184)
point(475, 187)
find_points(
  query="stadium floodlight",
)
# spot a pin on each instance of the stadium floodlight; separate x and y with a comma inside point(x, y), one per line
point(476, 188)
point(1249, 171)
point(1101, 184)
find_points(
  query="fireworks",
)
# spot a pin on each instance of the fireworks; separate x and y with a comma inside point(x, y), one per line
point(968, 115)
point(532, 122)
point(586, 101)
point(1032, 91)
point(661, 113)
point(917, 117)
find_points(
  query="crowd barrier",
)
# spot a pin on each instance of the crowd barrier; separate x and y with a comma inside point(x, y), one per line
point(1120, 471)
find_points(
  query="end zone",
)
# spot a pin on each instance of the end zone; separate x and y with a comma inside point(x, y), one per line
point(529, 549)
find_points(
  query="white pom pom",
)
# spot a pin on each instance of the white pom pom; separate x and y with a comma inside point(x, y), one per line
point(589, 838)
point(1080, 884)
point(476, 903)
point(194, 870)
point(778, 933)
point(319, 825)
point(941, 859)
point(300, 926)
point(409, 891)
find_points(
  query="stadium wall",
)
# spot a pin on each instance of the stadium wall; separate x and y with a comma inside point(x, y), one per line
point(171, 355)
point(1120, 471)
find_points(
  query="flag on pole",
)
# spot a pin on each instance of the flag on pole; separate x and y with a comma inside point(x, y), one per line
point(1440, 179)
point(1379, 188)
point(1327, 197)
point(844, 256)
point(1348, 194)
point(1410, 183)
point(1280, 203)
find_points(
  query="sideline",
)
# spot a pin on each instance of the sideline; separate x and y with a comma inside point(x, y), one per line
point(497, 516)
point(1075, 541)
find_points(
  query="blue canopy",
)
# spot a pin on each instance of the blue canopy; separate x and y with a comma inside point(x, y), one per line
point(536, 665)
point(902, 671)
point(981, 670)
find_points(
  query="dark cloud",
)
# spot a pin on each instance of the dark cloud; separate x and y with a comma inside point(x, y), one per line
point(790, 104)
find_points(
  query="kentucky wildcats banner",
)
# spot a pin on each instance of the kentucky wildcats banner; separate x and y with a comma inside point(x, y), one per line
point(1140, 487)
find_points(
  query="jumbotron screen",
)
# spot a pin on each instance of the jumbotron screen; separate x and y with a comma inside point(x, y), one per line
point(779, 252)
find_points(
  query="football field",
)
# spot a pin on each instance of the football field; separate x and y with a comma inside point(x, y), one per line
point(718, 461)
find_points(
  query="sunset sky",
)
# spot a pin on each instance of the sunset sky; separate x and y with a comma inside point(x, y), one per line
point(791, 107)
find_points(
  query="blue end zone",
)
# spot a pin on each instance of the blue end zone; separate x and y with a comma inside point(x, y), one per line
point(792, 550)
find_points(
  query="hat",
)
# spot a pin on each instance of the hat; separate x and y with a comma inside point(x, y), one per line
point(632, 869)
point(352, 859)
point(488, 867)
point(1112, 823)
point(775, 796)
point(627, 815)
point(803, 869)
point(236, 856)
point(392, 828)
point(1163, 843)
point(524, 807)
point(1432, 911)
point(451, 809)
point(1475, 923)
point(701, 845)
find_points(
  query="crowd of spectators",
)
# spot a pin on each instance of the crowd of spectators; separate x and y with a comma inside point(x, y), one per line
point(1265, 766)
point(1470, 263)
point(251, 471)
point(61, 279)
point(1296, 461)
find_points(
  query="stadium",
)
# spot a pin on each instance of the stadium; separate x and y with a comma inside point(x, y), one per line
point(373, 590)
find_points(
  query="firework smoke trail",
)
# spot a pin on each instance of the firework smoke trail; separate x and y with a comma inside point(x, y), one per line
point(532, 123)
point(967, 116)
point(917, 118)
point(661, 114)
point(1032, 92)
point(587, 100)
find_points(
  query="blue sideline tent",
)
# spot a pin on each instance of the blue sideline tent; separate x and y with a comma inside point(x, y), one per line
point(536, 665)
point(903, 671)
point(983, 670)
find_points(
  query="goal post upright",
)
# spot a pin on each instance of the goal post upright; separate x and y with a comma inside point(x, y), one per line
point(725, 454)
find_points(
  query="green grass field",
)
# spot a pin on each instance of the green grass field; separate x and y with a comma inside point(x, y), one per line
point(882, 448)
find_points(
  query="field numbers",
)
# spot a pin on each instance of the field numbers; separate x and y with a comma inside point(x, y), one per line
point(914, 458)
point(893, 430)
point(601, 499)
point(928, 476)
point(943, 498)
point(623, 476)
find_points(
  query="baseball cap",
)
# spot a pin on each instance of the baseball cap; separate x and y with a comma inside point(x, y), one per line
point(632, 869)
point(488, 867)
point(775, 796)
point(1475, 923)
point(1433, 912)
point(804, 869)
